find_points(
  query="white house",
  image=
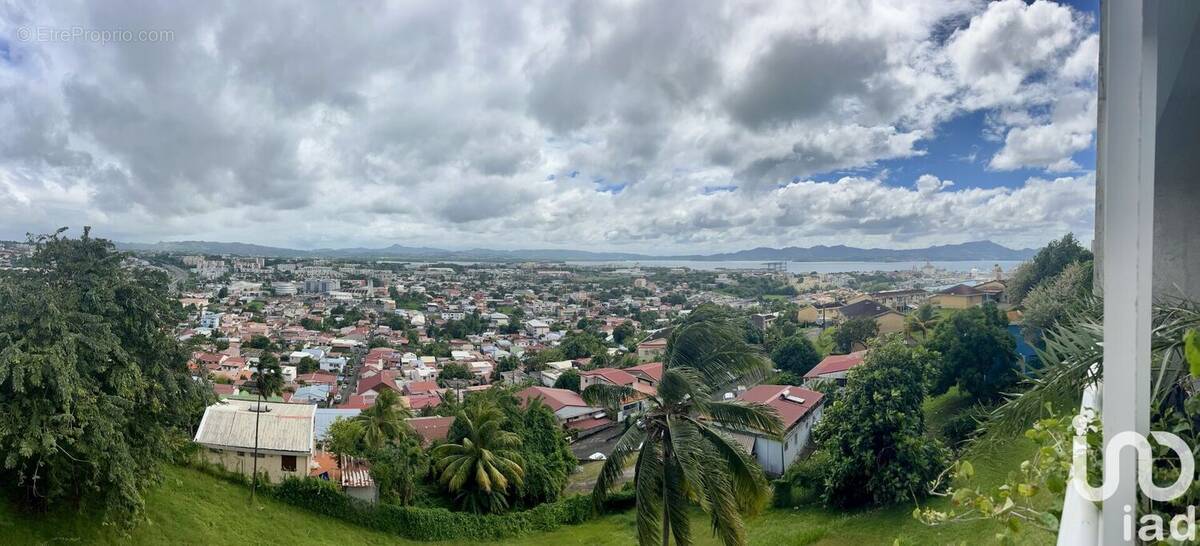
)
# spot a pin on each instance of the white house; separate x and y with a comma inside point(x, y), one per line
point(799, 409)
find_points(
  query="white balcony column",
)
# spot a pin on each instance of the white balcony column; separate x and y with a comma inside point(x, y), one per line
point(1125, 172)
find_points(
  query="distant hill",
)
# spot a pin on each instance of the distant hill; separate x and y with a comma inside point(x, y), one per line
point(976, 250)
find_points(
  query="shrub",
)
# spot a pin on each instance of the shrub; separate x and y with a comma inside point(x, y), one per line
point(962, 427)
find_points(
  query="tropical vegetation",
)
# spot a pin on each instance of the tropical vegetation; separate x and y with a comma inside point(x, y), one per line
point(95, 393)
point(679, 445)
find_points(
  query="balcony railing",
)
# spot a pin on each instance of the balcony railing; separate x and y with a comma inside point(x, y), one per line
point(1080, 522)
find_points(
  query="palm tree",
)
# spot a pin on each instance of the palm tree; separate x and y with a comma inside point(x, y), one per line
point(481, 467)
point(682, 455)
point(923, 321)
point(384, 421)
point(268, 381)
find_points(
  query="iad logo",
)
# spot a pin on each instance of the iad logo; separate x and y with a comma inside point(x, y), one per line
point(1145, 462)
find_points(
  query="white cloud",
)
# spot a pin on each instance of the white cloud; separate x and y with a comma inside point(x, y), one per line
point(437, 123)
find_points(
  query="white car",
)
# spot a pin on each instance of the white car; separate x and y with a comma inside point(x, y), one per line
point(597, 456)
point(728, 396)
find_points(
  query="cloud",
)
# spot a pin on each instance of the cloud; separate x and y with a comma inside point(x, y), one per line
point(509, 123)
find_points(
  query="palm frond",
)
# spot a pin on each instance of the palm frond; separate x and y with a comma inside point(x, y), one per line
point(675, 500)
point(749, 485)
point(648, 486)
point(606, 396)
point(614, 467)
point(745, 417)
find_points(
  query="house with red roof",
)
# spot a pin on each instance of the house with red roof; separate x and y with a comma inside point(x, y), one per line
point(649, 373)
point(568, 406)
point(420, 387)
point(370, 387)
point(834, 367)
point(431, 428)
point(620, 378)
point(799, 409)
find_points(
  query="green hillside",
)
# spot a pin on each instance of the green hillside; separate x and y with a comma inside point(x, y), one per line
point(191, 507)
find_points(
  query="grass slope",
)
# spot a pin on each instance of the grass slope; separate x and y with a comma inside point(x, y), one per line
point(193, 508)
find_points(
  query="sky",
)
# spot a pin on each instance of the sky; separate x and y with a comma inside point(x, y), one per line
point(674, 126)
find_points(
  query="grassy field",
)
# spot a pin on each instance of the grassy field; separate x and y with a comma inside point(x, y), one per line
point(193, 508)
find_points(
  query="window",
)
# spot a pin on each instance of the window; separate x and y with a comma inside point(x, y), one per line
point(288, 463)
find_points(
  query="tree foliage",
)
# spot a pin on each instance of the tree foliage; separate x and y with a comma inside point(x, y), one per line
point(569, 380)
point(1048, 262)
point(481, 467)
point(384, 422)
point(873, 435)
point(855, 332)
point(581, 345)
point(681, 452)
point(1055, 298)
point(978, 354)
point(94, 391)
point(796, 355)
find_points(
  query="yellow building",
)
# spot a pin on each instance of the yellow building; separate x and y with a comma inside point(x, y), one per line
point(959, 296)
point(887, 319)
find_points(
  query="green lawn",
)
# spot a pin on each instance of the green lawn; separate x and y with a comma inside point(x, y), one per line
point(194, 508)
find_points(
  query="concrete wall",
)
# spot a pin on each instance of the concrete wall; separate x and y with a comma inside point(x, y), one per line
point(268, 463)
point(1177, 156)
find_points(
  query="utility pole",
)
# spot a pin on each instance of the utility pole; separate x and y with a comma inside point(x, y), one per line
point(257, 416)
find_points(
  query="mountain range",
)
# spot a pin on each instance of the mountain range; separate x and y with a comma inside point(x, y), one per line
point(975, 250)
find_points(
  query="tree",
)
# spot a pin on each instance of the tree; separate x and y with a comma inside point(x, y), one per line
point(682, 452)
point(397, 468)
point(259, 342)
point(1054, 299)
point(855, 331)
point(548, 460)
point(568, 380)
point(921, 321)
point(307, 364)
point(480, 469)
point(95, 394)
point(796, 355)
point(977, 353)
point(623, 331)
point(383, 422)
point(378, 341)
point(344, 438)
point(268, 381)
point(581, 345)
point(508, 363)
point(454, 371)
point(1048, 262)
point(873, 435)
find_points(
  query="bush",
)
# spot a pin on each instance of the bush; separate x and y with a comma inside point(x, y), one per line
point(962, 427)
point(423, 523)
point(434, 524)
point(801, 484)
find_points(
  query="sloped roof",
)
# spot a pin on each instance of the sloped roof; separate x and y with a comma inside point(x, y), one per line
point(431, 428)
point(283, 427)
point(556, 399)
point(612, 375)
point(653, 370)
point(961, 290)
point(867, 308)
point(791, 403)
point(836, 363)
